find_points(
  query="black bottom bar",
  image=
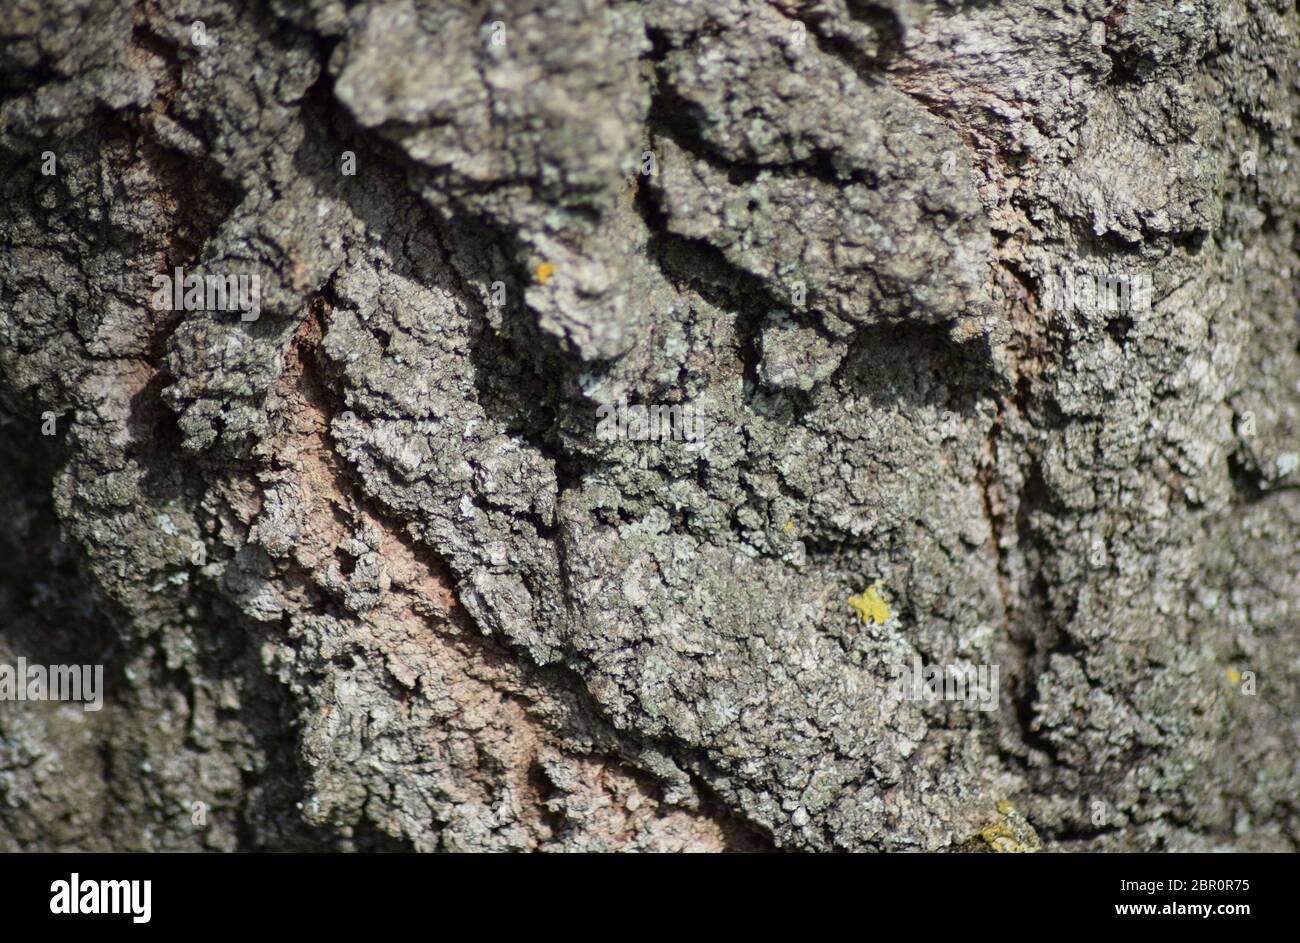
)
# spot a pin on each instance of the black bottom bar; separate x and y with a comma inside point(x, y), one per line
point(261, 893)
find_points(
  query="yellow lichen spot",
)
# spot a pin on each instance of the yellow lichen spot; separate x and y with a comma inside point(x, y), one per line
point(789, 526)
point(1233, 675)
point(870, 605)
point(999, 837)
point(1012, 834)
point(543, 272)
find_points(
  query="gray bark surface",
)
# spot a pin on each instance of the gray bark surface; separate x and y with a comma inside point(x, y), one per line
point(361, 571)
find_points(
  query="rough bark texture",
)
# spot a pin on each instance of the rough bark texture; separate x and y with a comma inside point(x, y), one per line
point(364, 576)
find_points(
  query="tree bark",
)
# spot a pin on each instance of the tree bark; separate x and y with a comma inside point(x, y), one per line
point(632, 408)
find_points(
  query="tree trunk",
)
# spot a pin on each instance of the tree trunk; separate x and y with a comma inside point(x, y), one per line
point(812, 424)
